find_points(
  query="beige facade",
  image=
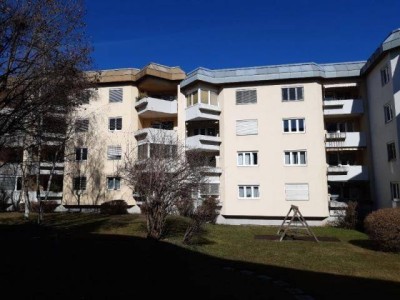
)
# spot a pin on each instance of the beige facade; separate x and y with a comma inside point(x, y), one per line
point(309, 135)
point(128, 105)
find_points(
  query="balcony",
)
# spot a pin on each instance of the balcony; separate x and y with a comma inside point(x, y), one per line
point(347, 173)
point(345, 140)
point(343, 107)
point(203, 142)
point(155, 135)
point(202, 112)
point(149, 107)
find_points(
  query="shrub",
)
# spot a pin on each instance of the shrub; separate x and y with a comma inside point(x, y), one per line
point(349, 218)
point(383, 228)
point(114, 207)
point(206, 212)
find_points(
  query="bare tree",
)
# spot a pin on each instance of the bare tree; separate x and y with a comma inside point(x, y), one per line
point(162, 173)
point(200, 213)
point(43, 56)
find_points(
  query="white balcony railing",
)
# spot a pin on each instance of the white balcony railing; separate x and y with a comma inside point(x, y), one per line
point(203, 142)
point(347, 173)
point(152, 107)
point(343, 107)
point(155, 135)
point(203, 112)
point(345, 139)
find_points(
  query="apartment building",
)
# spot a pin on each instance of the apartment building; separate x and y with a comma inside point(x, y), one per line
point(313, 135)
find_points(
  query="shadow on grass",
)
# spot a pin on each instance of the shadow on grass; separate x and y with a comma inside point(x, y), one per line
point(39, 263)
point(365, 244)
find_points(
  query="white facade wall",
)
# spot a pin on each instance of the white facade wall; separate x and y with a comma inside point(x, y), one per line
point(381, 132)
point(271, 174)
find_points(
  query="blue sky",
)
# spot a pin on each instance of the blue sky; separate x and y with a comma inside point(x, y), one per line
point(230, 33)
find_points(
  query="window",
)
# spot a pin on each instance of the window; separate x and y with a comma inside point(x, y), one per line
point(114, 152)
point(295, 158)
point(391, 150)
point(113, 183)
point(205, 131)
point(395, 190)
point(143, 151)
point(202, 96)
point(115, 95)
point(246, 127)
point(246, 97)
point(115, 123)
point(209, 189)
point(296, 191)
point(163, 150)
point(385, 75)
point(80, 183)
point(81, 154)
point(388, 113)
point(82, 125)
point(293, 125)
point(247, 159)
point(249, 191)
point(292, 94)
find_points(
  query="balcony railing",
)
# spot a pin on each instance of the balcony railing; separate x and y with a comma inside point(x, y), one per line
point(347, 173)
point(202, 112)
point(343, 107)
point(203, 142)
point(153, 108)
point(345, 139)
point(155, 135)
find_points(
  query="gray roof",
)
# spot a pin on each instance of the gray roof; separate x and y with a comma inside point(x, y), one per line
point(290, 71)
point(391, 42)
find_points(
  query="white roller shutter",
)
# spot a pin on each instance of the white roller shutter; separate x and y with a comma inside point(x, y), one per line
point(296, 191)
point(246, 127)
point(114, 152)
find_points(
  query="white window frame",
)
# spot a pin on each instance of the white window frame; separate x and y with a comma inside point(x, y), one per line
point(81, 149)
point(252, 154)
point(190, 95)
point(292, 155)
point(296, 93)
point(252, 188)
point(289, 120)
point(80, 183)
point(388, 112)
point(114, 179)
point(385, 75)
point(395, 190)
point(115, 124)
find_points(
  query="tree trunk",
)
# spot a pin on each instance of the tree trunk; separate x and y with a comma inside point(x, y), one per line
point(156, 217)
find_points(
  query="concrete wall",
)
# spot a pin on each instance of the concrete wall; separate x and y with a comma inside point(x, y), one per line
point(381, 132)
point(271, 174)
point(98, 167)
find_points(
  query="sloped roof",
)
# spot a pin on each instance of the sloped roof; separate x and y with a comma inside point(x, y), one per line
point(277, 72)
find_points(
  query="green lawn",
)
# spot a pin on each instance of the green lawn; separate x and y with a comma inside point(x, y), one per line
point(87, 255)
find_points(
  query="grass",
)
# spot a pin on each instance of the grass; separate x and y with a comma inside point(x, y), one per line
point(91, 251)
